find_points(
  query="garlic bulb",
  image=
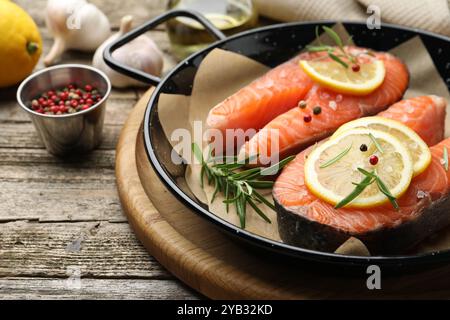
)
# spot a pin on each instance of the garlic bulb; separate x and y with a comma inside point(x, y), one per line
point(74, 24)
point(142, 53)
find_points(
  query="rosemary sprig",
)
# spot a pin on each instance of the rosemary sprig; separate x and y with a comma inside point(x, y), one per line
point(445, 159)
point(381, 186)
point(376, 143)
point(333, 35)
point(359, 188)
point(331, 50)
point(238, 184)
point(370, 177)
point(336, 159)
point(337, 59)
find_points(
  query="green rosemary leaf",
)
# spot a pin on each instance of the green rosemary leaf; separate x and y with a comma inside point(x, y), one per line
point(337, 158)
point(316, 31)
point(263, 200)
point(383, 188)
point(360, 187)
point(261, 184)
point(333, 35)
point(227, 190)
point(274, 169)
point(237, 185)
point(366, 173)
point(258, 211)
point(318, 48)
point(198, 153)
point(375, 142)
point(216, 188)
point(235, 198)
point(445, 158)
point(362, 184)
point(245, 174)
point(337, 59)
point(228, 166)
point(240, 206)
point(202, 175)
point(248, 187)
point(240, 213)
point(209, 174)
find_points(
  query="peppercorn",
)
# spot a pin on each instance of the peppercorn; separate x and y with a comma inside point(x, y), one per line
point(317, 110)
point(363, 148)
point(307, 118)
point(69, 99)
point(356, 67)
point(373, 160)
point(302, 104)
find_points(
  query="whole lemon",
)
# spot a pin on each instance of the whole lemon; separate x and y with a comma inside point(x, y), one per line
point(20, 44)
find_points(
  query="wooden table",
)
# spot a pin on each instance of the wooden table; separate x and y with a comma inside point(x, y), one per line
point(62, 220)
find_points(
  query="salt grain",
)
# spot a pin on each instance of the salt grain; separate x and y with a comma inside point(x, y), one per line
point(325, 96)
point(332, 104)
point(421, 194)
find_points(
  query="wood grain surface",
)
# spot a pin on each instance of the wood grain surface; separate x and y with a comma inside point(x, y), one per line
point(60, 220)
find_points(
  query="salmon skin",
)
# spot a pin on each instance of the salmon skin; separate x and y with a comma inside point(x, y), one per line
point(289, 133)
point(307, 221)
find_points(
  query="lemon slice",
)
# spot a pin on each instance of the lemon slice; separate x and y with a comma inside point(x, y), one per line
point(418, 149)
point(334, 182)
point(333, 75)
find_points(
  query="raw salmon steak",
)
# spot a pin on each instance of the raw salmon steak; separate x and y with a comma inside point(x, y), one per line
point(306, 221)
point(289, 133)
point(255, 105)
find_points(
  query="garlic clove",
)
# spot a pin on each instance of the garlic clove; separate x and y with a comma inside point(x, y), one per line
point(74, 24)
point(141, 53)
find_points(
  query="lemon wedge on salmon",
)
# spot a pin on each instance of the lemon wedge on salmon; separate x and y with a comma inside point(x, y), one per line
point(336, 77)
point(335, 168)
point(418, 149)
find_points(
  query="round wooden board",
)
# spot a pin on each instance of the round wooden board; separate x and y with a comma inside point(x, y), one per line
point(204, 258)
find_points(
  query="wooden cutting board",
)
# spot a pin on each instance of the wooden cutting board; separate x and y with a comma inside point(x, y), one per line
point(212, 263)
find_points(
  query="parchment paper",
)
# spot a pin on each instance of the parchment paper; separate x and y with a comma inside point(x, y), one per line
point(222, 73)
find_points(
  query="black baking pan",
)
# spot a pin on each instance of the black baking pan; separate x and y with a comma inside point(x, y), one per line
point(270, 46)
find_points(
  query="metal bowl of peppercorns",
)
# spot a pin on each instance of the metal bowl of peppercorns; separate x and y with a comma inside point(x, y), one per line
point(67, 105)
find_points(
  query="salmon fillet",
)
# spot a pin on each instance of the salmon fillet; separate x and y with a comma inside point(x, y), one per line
point(307, 221)
point(288, 133)
point(255, 105)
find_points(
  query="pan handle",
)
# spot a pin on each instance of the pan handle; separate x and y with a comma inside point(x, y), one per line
point(138, 74)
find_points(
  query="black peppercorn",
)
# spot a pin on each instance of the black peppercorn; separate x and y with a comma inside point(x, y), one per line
point(363, 148)
point(317, 110)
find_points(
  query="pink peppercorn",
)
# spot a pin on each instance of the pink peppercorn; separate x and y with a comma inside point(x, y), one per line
point(373, 160)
